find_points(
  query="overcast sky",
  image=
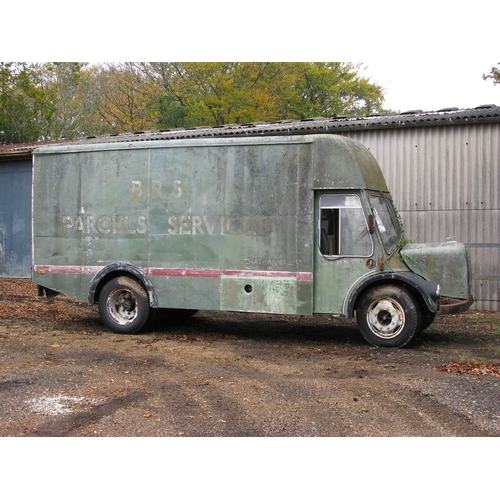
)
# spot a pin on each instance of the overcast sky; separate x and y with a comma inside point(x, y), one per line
point(432, 85)
point(427, 55)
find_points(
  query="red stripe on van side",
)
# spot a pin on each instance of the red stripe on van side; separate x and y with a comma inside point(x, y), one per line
point(181, 272)
point(66, 269)
point(267, 274)
point(184, 272)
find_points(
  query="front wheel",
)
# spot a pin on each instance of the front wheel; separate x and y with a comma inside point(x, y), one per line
point(124, 305)
point(388, 316)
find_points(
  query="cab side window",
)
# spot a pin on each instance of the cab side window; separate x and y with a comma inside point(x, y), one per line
point(343, 228)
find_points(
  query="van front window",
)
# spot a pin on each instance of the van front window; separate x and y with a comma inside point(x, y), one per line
point(343, 227)
point(385, 218)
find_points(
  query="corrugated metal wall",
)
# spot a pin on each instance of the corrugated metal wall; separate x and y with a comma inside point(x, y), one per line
point(15, 218)
point(445, 182)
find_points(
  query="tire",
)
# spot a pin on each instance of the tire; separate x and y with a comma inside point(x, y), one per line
point(427, 320)
point(388, 316)
point(124, 305)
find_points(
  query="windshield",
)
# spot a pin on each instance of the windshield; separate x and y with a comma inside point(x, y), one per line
point(386, 221)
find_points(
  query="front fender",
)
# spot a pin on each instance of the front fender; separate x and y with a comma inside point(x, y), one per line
point(429, 291)
point(118, 268)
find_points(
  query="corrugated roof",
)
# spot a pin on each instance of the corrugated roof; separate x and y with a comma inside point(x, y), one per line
point(23, 151)
point(489, 113)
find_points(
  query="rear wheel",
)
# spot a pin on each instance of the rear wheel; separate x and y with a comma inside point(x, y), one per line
point(124, 305)
point(388, 316)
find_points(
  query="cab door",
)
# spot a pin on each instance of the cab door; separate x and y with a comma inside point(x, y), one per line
point(343, 247)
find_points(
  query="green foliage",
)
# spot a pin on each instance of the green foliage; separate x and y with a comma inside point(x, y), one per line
point(23, 107)
point(328, 89)
point(47, 101)
point(40, 101)
point(493, 75)
point(171, 113)
point(223, 93)
point(402, 242)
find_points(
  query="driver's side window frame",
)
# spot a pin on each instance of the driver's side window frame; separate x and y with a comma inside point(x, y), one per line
point(337, 234)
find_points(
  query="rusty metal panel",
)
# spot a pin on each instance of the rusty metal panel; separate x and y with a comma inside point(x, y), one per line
point(471, 226)
point(213, 224)
point(354, 167)
point(15, 218)
point(445, 263)
point(444, 181)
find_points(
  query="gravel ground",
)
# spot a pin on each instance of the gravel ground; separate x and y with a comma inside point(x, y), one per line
point(229, 374)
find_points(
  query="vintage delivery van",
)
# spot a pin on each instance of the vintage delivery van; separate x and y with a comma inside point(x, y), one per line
point(287, 224)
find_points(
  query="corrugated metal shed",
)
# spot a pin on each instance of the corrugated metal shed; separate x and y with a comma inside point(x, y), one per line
point(441, 166)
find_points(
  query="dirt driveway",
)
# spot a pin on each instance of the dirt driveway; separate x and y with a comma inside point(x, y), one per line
point(229, 374)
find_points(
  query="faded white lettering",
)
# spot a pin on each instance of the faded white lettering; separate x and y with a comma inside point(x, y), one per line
point(197, 221)
point(105, 224)
point(136, 193)
point(185, 224)
point(172, 220)
point(67, 223)
point(177, 190)
point(91, 225)
point(210, 228)
point(198, 224)
point(142, 227)
point(156, 190)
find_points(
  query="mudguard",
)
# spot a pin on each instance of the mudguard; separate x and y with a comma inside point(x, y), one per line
point(128, 268)
point(428, 290)
point(448, 263)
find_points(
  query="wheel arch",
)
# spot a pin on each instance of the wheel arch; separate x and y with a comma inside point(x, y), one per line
point(425, 292)
point(114, 270)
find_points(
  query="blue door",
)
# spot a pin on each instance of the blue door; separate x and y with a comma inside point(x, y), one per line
point(15, 218)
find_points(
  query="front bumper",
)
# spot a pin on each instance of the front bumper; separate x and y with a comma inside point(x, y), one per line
point(454, 306)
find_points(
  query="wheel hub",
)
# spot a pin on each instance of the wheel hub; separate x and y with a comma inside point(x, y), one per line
point(122, 307)
point(128, 305)
point(386, 318)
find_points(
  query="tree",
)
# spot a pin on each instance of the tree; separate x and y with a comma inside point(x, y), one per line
point(194, 94)
point(62, 85)
point(46, 101)
point(43, 101)
point(23, 107)
point(494, 75)
point(327, 89)
point(122, 99)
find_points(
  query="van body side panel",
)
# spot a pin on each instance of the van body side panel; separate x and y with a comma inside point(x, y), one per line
point(184, 226)
point(269, 235)
point(86, 216)
point(55, 244)
point(213, 224)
